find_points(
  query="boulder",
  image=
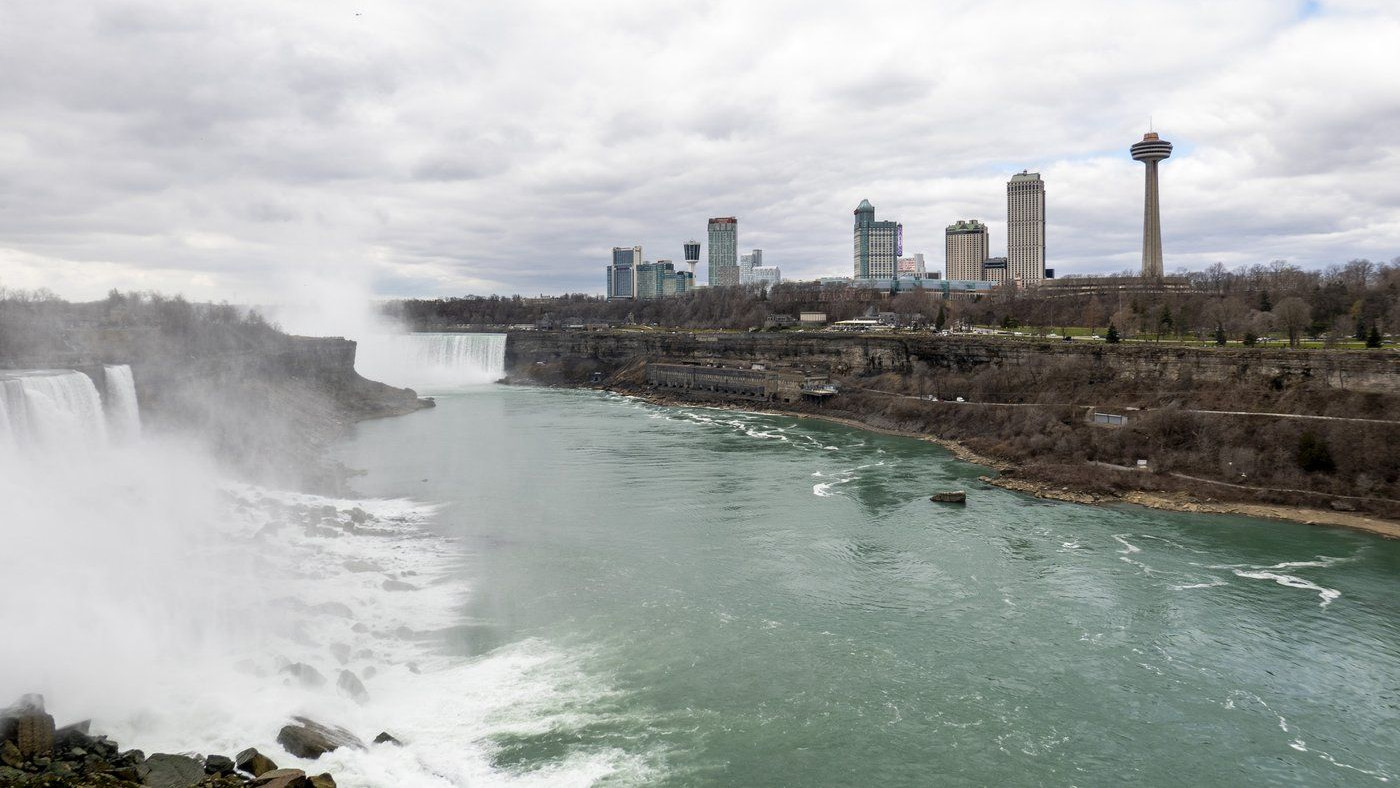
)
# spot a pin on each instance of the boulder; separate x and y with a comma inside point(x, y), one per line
point(323, 780)
point(283, 778)
point(350, 684)
point(163, 770)
point(341, 652)
point(310, 739)
point(9, 754)
point(304, 673)
point(218, 764)
point(399, 585)
point(385, 737)
point(28, 726)
point(253, 762)
point(73, 736)
point(952, 496)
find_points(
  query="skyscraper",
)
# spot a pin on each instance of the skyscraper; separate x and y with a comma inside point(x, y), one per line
point(878, 245)
point(1025, 228)
point(965, 249)
point(724, 251)
point(692, 256)
point(1151, 150)
point(622, 274)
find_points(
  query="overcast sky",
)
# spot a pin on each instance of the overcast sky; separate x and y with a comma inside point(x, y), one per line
point(233, 150)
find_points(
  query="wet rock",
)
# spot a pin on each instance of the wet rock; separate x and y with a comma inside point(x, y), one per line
point(385, 737)
point(339, 609)
point(341, 652)
point(322, 781)
point(363, 566)
point(304, 673)
point(349, 684)
point(28, 726)
point(163, 770)
point(359, 516)
point(283, 778)
point(253, 762)
point(399, 585)
point(9, 754)
point(218, 764)
point(310, 739)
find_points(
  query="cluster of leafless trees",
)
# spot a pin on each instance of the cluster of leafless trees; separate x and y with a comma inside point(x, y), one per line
point(1357, 301)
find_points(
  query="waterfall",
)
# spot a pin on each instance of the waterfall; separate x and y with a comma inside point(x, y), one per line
point(432, 361)
point(123, 411)
point(51, 408)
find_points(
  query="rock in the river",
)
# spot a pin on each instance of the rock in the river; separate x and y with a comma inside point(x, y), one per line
point(218, 764)
point(254, 762)
point(385, 737)
point(28, 726)
point(307, 675)
point(952, 496)
point(310, 739)
point(349, 684)
point(283, 778)
point(170, 771)
point(399, 585)
point(322, 781)
point(9, 754)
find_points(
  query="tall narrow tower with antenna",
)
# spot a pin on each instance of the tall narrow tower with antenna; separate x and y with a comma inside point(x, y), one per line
point(1151, 150)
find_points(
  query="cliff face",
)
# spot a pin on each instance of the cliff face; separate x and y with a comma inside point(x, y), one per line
point(872, 355)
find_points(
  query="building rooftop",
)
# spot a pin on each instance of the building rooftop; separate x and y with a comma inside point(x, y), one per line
point(865, 206)
point(1024, 175)
point(966, 225)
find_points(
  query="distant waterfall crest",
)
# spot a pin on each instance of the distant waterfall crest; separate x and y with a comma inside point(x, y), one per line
point(123, 412)
point(433, 361)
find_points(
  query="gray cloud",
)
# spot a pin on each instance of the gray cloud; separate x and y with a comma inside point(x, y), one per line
point(443, 148)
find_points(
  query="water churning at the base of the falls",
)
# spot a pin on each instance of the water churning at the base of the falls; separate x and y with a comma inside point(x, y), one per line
point(432, 361)
point(61, 409)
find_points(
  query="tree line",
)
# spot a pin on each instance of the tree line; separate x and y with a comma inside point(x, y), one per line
point(1358, 301)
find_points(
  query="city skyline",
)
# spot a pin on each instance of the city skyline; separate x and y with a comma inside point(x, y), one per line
point(397, 150)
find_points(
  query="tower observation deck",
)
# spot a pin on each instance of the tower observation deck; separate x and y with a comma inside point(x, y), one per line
point(1151, 150)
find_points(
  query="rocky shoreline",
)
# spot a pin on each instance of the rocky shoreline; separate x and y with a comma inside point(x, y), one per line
point(34, 753)
point(1175, 502)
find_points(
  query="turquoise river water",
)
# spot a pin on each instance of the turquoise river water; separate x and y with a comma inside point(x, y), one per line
point(722, 598)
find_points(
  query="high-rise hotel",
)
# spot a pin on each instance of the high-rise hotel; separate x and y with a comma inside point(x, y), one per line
point(878, 245)
point(965, 249)
point(724, 251)
point(1025, 228)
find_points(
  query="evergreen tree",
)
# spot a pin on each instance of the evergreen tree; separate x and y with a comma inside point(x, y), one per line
point(942, 318)
point(1250, 339)
point(1220, 336)
point(1373, 339)
point(1112, 336)
point(1313, 454)
point(1265, 305)
point(1360, 329)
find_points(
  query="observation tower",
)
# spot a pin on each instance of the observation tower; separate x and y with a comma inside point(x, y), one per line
point(1151, 150)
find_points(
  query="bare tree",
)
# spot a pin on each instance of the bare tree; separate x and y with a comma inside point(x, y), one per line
point(1293, 315)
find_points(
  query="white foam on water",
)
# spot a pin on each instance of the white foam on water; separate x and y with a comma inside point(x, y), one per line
point(1190, 586)
point(172, 602)
point(1292, 581)
point(1128, 547)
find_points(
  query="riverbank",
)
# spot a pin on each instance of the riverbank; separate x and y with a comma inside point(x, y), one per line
point(1007, 478)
